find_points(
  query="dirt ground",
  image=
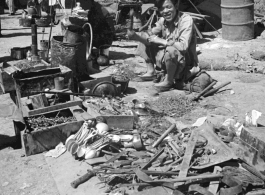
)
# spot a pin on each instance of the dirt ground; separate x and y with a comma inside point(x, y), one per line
point(34, 175)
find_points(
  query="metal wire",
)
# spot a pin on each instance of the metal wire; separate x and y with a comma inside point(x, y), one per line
point(204, 18)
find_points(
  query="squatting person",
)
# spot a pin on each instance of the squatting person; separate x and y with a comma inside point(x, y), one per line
point(170, 46)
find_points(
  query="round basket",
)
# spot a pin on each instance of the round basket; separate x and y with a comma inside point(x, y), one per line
point(124, 83)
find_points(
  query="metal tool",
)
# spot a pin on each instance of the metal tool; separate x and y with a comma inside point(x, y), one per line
point(162, 137)
point(204, 91)
point(83, 178)
point(136, 143)
point(174, 148)
point(117, 156)
point(97, 160)
point(211, 92)
point(115, 164)
point(131, 18)
point(188, 154)
point(131, 171)
point(153, 158)
point(184, 179)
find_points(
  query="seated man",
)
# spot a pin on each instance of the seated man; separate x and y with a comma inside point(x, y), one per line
point(170, 45)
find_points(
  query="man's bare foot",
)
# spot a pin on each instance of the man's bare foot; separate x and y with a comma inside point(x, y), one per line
point(149, 74)
point(164, 84)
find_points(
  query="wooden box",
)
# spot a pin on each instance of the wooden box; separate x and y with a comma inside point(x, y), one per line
point(48, 138)
point(73, 101)
point(7, 82)
point(253, 147)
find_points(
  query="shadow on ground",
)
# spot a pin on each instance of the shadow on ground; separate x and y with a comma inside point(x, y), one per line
point(124, 46)
point(115, 55)
point(5, 59)
point(22, 28)
point(205, 39)
point(7, 141)
point(131, 90)
point(16, 34)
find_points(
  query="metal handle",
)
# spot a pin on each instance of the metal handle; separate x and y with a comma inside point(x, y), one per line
point(83, 179)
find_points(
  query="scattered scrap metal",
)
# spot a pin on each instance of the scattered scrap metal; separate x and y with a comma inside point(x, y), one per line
point(185, 160)
point(176, 106)
point(37, 123)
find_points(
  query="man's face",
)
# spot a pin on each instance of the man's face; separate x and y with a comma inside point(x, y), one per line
point(168, 10)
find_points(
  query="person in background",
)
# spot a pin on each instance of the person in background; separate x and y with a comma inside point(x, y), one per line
point(0, 28)
point(11, 6)
point(170, 46)
point(1, 12)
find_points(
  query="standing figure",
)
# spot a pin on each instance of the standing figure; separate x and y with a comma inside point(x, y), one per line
point(170, 46)
point(11, 6)
point(0, 28)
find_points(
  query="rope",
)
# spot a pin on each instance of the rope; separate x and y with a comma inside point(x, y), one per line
point(204, 18)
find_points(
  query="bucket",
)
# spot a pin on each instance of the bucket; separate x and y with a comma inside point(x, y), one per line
point(44, 44)
point(237, 20)
point(17, 53)
point(43, 54)
point(59, 83)
point(73, 35)
point(72, 56)
point(124, 83)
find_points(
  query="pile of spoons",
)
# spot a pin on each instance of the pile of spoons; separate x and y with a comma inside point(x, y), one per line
point(88, 141)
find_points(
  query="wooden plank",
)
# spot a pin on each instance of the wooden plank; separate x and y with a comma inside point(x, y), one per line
point(121, 122)
point(255, 137)
point(26, 112)
point(92, 109)
point(6, 82)
point(80, 114)
point(184, 168)
point(252, 147)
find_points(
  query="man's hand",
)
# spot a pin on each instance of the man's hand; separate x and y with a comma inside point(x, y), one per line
point(131, 34)
point(156, 40)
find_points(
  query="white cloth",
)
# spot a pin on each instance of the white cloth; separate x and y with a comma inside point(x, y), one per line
point(52, 2)
point(58, 151)
point(60, 2)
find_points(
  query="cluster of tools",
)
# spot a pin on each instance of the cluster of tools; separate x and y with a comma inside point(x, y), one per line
point(182, 159)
